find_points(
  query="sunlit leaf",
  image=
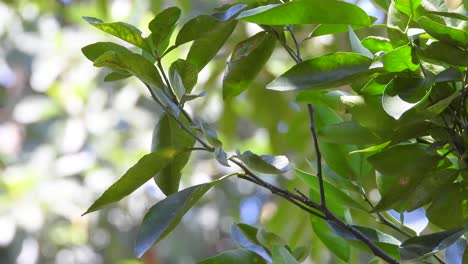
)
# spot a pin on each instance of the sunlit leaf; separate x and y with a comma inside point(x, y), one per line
point(402, 94)
point(407, 6)
point(327, 71)
point(306, 12)
point(164, 216)
point(335, 243)
point(399, 59)
point(247, 59)
point(376, 44)
point(420, 246)
point(444, 33)
point(116, 76)
point(135, 177)
point(121, 30)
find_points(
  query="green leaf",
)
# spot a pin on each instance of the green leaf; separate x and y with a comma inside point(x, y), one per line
point(197, 27)
point(449, 208)
point(323, 98)
point(247, 59)
point(449, 14)
point(230, 12)
point(449, 75)
point(133, 64)
point(376, 44)
point(441, 105)
point(204, 48)
point(444, 33)
point(307, 12)
point(402, 94)
point(301, 253)
point(246, 236)
point(337, 200)
point(438, 52)
point(420, 246)
point(183, 76)
point(386, 242)
point(347, 133)
point(161, 28)
point(221, 156)
point(235, 256)
point(136, 176)
point(265, 163)
point(336, 156)
point(327, 71)
point(95, 50)
point(407, 6)
point(121, 30)
point(335, 243)
point(281, 255)
point(269, 239)
point(116, 76)
point(164, 216)
point(168, 133)
point(356, 45)
point(396, 26)
point(399, 59)
point(395, 182)
point(327, 29)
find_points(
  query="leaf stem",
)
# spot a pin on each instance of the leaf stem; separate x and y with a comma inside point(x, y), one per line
point(166, 80)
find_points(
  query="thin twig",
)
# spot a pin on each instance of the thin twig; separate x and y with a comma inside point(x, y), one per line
point(317, 154)
point(166, 81)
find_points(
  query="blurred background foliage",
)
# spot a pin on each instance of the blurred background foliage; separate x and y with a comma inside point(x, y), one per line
point(65, 136)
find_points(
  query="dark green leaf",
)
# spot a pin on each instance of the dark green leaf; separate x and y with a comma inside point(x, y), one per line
point(449, 208)
point(327, 71)
point(386, 242)
point(116, 76)
point(246, 236)
point(235, 256)
point(376, 44)
point(183, 76)
point(444, 33)
point(93, 51)
point(164, 216)
point(269, 239)
point(402, 94)
point(189, 97)
point(204, 48)
point(133, 64)
point(161, 28)
point(399, 59)
point(396, 181)
point(136, 176)
point(230, 13)
point(265, 163)
point(336, 156)
point(356, 45)
point(335, 243)
point(382, 4)
point(441, 105)
point(281, 255)
point(197, 28)
point(168, 133)
point(407, 6)
point(449, 75)
point(301, 253)
point(347, 133)
point(420, 246)
point(307, 12)
point(337, 200)
point(438, 52)
point(121, 30)
point(247, 59)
